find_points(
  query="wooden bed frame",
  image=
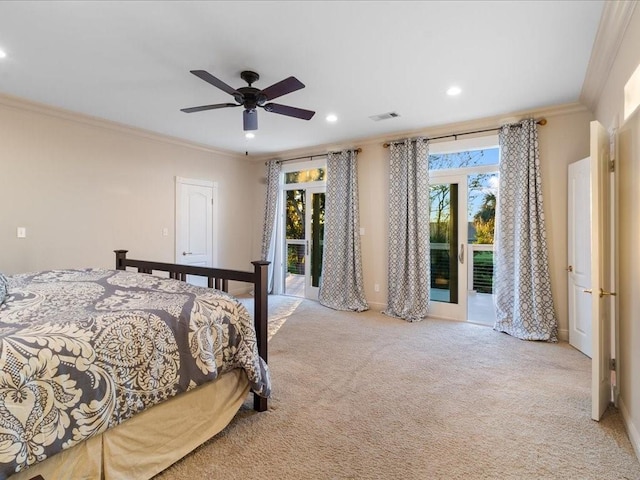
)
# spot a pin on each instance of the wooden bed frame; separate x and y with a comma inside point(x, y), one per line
point(219, 279)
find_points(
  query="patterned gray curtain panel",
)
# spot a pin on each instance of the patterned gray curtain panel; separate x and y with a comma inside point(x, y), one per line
point(342, 286)
point(409, 265)
point(270, 218)
point(522, 287)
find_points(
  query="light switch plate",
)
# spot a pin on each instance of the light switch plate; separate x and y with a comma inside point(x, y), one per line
point(22, 232)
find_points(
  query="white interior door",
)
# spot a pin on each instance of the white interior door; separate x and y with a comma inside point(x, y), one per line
point(600, 271)
point(579, 255)
point(195, 201)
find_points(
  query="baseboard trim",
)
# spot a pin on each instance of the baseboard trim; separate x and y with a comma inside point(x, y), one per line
point(632, 431)
point(378, 307)
point(563, 335)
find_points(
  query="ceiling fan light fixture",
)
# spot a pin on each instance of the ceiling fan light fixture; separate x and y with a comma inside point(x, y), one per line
point(250, 98)
point(250, 119)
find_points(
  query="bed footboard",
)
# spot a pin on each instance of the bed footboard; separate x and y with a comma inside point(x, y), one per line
point(218, 278)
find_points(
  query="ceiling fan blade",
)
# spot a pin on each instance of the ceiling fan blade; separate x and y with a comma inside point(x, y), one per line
point(216, 82)
point(289, 111)
point(208, 107)
point(250, 120)
point(283, 87)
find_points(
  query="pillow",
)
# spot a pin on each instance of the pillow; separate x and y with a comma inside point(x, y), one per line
point(4, 288)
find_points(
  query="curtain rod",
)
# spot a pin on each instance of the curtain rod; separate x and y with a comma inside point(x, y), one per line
point(542, 121)
point(310, 157)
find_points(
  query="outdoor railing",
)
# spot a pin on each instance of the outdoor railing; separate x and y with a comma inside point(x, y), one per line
point(480, 267)
point(479, 260)
point(295, 256)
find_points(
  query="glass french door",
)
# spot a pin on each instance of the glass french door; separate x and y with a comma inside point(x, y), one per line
point(462, 220)
point(448, 282)
point(304, 219)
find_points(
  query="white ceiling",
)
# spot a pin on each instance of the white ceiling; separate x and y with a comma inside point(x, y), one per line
point(129, 62)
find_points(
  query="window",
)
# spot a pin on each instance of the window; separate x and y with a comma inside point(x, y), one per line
point(300, 253)
point(463, 177)
point(305, 176)
point(463, 159)
point(481, 170)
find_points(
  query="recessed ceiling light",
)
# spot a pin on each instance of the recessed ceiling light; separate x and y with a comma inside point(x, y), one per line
point(2, 54)
point(453, 91)
point(249, 135)
point(332, 118)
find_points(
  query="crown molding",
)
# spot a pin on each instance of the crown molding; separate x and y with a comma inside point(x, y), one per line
point(613, 25)
point(487, 122)
point(476, 124)
point(10, 101)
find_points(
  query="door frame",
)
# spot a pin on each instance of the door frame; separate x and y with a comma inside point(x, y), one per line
point(437, 176)
point(181, 184)
point(461, 176)
point(310, 291)
point(281, 248)
point(602, 269)
point(455, 311)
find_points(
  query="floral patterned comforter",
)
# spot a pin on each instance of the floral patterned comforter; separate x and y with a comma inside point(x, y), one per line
point(83, 350)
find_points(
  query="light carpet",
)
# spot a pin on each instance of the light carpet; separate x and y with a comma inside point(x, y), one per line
point(367, 396)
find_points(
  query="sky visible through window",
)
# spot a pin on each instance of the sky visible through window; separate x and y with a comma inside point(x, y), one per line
point(480, 185)
point(468, 158)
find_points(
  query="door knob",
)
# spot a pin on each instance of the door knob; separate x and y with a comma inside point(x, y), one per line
point(187, 253)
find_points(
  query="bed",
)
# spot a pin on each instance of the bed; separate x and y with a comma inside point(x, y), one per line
point(117, 374)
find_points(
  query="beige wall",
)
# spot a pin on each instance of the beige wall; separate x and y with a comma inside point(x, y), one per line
point(565, 139)
point(609, 112)
point(83, 189)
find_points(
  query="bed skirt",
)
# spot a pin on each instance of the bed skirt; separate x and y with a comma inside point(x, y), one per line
point(152, 440)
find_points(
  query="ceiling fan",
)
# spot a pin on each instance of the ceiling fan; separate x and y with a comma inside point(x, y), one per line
point(250, 98)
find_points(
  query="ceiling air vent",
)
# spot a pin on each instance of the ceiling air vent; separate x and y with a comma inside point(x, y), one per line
point(384, 116)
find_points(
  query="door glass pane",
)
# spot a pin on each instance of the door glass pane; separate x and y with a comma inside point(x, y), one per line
point(295, 214)
point(483, 190)
point(317, 237)
point(295, 238)
point(444, 242)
